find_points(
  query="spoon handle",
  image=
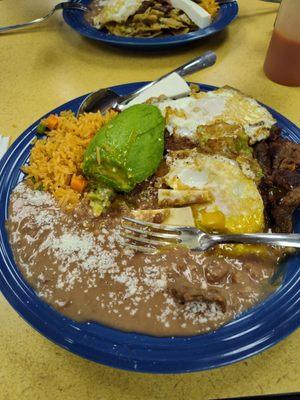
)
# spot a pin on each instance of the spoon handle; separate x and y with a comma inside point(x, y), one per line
point(206, 59)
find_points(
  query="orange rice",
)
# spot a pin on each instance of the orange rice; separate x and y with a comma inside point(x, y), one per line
point(56, 158)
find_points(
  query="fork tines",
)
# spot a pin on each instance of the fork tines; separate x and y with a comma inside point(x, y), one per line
point(148, 237)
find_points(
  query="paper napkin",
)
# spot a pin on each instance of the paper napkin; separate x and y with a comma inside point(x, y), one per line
point(4, 143)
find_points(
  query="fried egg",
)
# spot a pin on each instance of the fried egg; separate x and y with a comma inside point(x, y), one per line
point(116, 10)
point(188, 116)
point(236, 205)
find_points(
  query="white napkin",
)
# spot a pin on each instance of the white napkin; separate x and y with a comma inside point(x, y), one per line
point(4, 143)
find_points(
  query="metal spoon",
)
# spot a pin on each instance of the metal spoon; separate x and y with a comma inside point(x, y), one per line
point(105, 99)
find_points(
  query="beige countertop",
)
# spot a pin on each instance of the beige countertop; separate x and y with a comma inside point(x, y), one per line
point(44, 67)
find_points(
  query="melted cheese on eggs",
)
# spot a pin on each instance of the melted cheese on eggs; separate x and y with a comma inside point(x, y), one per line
point(186, 116)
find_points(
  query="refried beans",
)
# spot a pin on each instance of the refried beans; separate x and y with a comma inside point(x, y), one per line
point(79, 265)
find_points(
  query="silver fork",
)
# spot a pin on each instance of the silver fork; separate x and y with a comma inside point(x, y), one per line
point(61, 6)
point(148, 237)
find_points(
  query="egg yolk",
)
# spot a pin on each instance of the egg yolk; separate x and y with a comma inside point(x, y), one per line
point(236, 250)
point(216, 222)
point(209, 221)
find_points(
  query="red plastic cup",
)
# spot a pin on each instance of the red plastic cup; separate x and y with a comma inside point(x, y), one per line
point(282, 64)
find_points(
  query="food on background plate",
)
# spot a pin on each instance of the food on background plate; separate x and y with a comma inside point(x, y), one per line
point(205, 160)
point(198, 15)
point(150, 18)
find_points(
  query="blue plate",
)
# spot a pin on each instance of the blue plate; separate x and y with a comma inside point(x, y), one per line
point(76, 20)
point(254, 331)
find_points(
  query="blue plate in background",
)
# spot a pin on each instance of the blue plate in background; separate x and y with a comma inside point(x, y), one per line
point(75, 19)
point(254, 331)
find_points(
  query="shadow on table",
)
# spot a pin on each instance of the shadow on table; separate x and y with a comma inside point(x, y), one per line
point(244, 378)
point(212, 43)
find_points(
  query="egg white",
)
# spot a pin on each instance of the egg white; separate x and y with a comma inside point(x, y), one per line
point(117, 10)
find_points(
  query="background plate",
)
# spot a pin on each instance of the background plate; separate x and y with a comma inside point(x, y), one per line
point(254, 331)
point(75, 19)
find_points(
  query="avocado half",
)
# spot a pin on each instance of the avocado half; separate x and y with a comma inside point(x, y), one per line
point(128, 149)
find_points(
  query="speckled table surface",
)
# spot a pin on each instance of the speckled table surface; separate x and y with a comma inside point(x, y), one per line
point(44, 67)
